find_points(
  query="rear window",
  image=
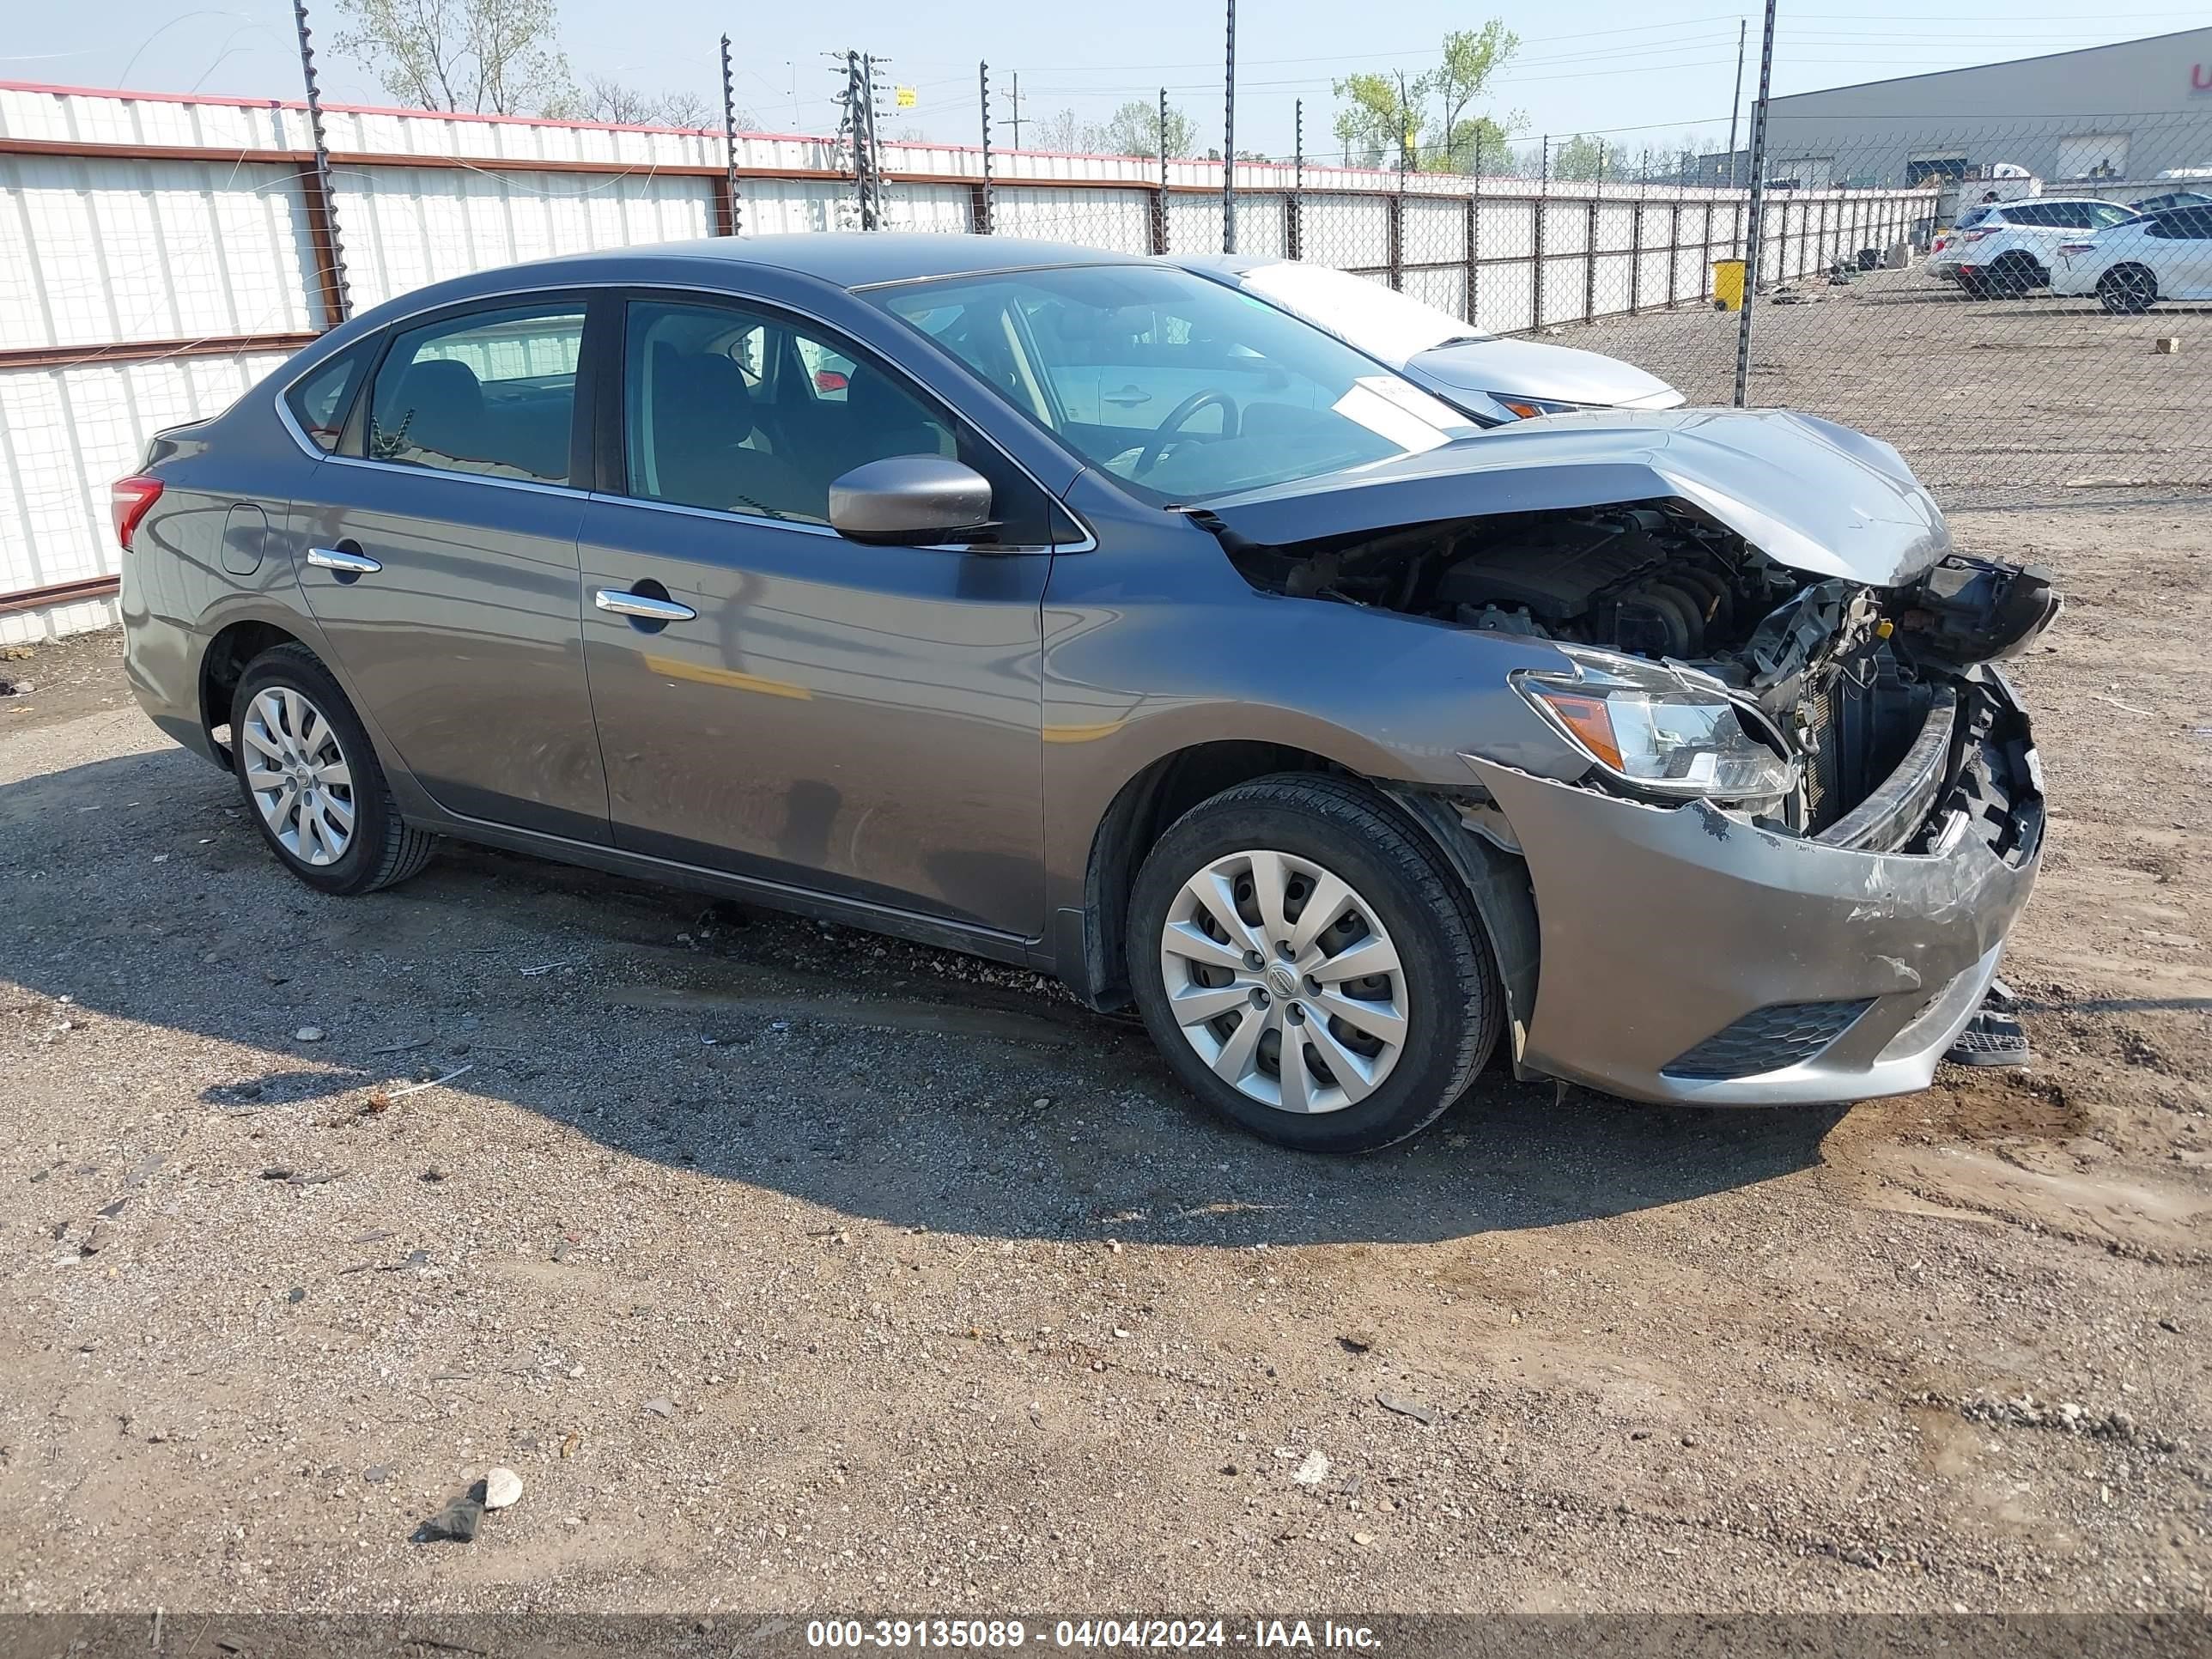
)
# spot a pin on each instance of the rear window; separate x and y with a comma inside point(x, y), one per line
point(490, 393)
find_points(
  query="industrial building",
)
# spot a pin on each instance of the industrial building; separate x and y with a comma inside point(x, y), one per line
point(2106, 115)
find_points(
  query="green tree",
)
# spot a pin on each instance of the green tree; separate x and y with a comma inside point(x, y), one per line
point(1423, 121)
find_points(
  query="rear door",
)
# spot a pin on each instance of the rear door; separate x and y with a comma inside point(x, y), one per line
point(858, 721)
point(2179, 245)
point(439, 556)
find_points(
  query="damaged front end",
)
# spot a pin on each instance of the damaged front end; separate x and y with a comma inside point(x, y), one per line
point(1795, 812)
point(1695, 666)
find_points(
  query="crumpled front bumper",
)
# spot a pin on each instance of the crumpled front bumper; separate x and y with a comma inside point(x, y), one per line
point(1679, 945)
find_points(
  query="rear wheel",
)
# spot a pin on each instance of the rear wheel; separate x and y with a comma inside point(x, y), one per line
point(310, 775)
point(2012, 275)
point(2127, 290)
point(1310, 966)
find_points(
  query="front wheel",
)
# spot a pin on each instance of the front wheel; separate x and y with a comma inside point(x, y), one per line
point(1310, 966)
point(307, 768)
point(2127, 290)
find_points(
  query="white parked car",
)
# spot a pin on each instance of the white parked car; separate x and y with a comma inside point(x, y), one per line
point(2006, 248)
point(2132, 266)
point(1491, 379)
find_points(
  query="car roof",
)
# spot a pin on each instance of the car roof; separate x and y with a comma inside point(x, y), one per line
point(859, 259)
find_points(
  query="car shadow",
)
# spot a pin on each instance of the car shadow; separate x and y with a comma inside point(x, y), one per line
point(877, 1079)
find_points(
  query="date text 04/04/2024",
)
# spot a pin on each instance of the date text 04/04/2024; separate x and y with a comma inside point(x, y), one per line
point(1141, 1634)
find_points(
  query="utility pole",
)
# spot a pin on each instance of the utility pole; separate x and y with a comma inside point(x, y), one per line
point(1751, 254)
point(1015, 122)
point(983, 89)
point(729, 137)
point(337, 295)
point(1228, 141)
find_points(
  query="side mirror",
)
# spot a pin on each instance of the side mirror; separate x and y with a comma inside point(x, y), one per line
point(910, 501)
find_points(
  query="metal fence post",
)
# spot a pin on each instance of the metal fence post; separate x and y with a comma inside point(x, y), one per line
point(983, 200)
point(1228, 141)
point(730, 223)
point(1536, 267)
point(321, 208)
point(1758, 209)
point(1160, 196)
point(1474, 234)
point(1590, 259)
point(1294, 210)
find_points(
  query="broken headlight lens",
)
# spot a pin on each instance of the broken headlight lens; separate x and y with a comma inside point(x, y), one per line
point(1660, 729)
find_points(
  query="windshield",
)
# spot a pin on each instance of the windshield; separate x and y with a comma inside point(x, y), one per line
point(1381, 321)
point(1180, 388)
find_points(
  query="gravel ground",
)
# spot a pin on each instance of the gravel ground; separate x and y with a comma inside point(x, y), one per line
point(794, 1269)
point(1989, 399)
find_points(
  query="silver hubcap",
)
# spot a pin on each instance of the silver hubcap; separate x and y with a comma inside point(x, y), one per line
point(1285, 982)
point(299, 777)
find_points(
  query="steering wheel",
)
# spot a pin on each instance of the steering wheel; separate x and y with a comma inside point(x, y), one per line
point(1149, 457)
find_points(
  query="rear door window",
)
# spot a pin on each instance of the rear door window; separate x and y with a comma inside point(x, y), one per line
point(488, 393)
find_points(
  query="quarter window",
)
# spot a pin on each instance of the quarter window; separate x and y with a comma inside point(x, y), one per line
point(490, 393)
point(320, 399)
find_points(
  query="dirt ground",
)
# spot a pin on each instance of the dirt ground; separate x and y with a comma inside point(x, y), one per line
point(794, 1269)
point(1991, 399)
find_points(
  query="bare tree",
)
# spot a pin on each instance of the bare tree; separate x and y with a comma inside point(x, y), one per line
point(603, 99)
point(484, 57)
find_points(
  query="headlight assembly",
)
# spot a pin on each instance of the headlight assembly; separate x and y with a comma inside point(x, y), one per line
point(1528, 408)
point(1661, 730)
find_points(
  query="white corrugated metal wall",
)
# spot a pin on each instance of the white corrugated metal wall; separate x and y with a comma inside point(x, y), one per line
point(153, 257)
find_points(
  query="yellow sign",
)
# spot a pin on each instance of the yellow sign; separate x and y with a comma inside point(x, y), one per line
point(906, 98)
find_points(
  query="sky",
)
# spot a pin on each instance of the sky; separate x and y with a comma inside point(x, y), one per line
point(1644, 72)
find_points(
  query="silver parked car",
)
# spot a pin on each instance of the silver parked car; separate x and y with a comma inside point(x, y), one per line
point(1493, 379)
point(1662, 751)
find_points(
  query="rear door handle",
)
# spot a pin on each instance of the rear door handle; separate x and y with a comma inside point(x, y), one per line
point(345, 563)
point(1127, 397)
point(644, 607)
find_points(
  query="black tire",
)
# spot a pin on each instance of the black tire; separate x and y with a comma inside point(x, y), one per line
point(383, 848)
point(2127, 290)
point(2013, 276)
point(1453, 1004)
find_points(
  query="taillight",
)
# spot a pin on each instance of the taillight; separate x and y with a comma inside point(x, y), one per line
point(1938, 247)
point(1975, 235)
point(129, 498)
point(2077, 247)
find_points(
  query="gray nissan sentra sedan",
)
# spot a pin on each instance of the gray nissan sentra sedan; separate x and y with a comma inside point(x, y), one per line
point(1080, 612)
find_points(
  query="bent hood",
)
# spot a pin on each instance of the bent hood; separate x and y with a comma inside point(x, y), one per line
point(1818, 497)
point(1528, 369)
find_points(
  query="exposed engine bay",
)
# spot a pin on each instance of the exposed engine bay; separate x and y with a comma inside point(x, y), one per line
point(1840, 678)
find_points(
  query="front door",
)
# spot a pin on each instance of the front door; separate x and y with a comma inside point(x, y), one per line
point(440, 560)
point(794, 707)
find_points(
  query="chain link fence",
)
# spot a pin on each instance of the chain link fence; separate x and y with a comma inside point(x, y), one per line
point(2024, 308)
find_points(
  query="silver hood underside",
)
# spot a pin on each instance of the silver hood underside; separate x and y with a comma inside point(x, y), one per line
point(1819, 498)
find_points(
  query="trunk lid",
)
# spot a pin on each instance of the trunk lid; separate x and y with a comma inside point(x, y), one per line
point(1819, 498)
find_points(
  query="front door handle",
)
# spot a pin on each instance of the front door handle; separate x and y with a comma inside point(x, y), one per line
point(645, 606)
point(347, 564)
point(1128, 397)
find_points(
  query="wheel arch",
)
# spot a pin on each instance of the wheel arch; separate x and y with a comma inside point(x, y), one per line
point(1090, 954)
point(223, 664)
